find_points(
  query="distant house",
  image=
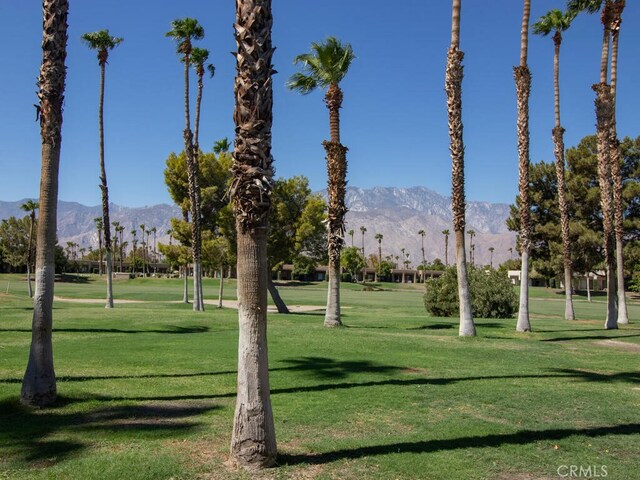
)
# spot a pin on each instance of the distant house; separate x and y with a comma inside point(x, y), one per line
point(597, 281)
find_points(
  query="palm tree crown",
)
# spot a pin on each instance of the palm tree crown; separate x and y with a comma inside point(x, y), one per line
point(183, 31)
point(327, 64)
point(199, 57)
point(553, 20)
point(101, 41)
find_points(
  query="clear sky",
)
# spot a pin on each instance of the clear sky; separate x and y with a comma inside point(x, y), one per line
point(393, 118)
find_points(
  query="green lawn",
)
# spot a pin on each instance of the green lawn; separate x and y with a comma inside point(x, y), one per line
point(147, 390)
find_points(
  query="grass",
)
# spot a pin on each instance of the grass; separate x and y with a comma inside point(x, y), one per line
point(147, 390)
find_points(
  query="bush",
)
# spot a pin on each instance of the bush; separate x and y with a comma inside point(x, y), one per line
point(492, 295)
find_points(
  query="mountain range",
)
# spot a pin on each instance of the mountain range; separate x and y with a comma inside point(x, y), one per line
point(397, 213)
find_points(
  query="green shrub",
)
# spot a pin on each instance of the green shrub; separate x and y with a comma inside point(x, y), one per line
point(492, 295)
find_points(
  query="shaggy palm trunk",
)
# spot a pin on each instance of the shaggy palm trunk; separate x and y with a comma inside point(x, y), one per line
point(453, 89)
point(558, 141)
point(33, 219)
point(336, 189)
point(618, 200)
point(446, 250)
point(253, 441)
point(189, 150)
point(523, 88)
point(39, 382)
point(604, 117)
point(105, 193)
point(221, 289)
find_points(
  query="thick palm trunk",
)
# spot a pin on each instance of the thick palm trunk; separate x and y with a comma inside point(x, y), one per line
point(453, 88)
point(105, 195)
point(336, 189)
point(253, 441)
point(618, 200)
point(558, 141)
point(523, 88)
point(39, 382)
point(604, 117)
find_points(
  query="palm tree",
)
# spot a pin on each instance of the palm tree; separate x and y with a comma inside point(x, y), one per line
point(522, 77)
point(142, 227)
point(491, 250)
point(253, 441)
point(30, 206)
point(446, 246)
point(609, 156)
point(199, 57)
point(116, 226)
point(39, 382)
point(510, 252)
point(558, 22)
point(133, 250)
point(453, 88)
point(99, 226)
point(122, 244)
point(363, 230)
point(325, 67)
point(422, 234)
point(351, 232)
point(379, 237)
point(222, 145)
point(103, 42)
point(183, 31)
point(472, 233)
point(154, 230)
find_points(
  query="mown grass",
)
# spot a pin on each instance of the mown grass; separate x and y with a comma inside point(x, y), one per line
point(147, 390)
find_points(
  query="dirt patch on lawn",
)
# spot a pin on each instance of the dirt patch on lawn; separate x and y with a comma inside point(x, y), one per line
point(632, 347)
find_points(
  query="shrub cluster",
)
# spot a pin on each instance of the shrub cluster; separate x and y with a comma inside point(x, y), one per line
point(492, 295)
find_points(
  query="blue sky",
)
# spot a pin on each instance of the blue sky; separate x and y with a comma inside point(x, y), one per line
point(393, 118)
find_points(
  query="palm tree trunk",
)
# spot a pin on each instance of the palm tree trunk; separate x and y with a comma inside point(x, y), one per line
point(29, 254)
point(588, 288)
point(221, 289)
point(185, 290)
point(100, 251)
point(275, 295)
point(105, 194)
point(604, 118)
point(453, 88)
point(523, 89)
point(558, 141)
point(253, 441)
point(39, 382)
point(618, 200)
point(446, 250)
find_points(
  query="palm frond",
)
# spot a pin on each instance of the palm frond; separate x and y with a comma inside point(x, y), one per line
point(302, 83)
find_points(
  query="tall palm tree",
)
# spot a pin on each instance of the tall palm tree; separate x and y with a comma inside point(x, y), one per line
point(446, 246)
point(39, 382)
point(325, 67)
point(491, 250)
point(99, 221)
point(142, 227)
point(522, 77)
point(253, 441)
point(472, 233)
point(558, 22)
point(607, 144)
point(184, 31)
point(133, 250)
point(122, 244)
point(116, 248)
point(351, 232)
point(30, 206)
point(453, 88)
point(422, 233)
point(363, 230)
point(154, 230)
point(199, 57)
point(379, 238)
point(102, 41)
point(611, 196)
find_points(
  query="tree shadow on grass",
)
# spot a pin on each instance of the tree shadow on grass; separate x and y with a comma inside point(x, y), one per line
point(172, 329)
point(25, 431)
point(323, 367)
point(588, 337)
point(522, 437)
point(448, 326)
point(629, 377)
